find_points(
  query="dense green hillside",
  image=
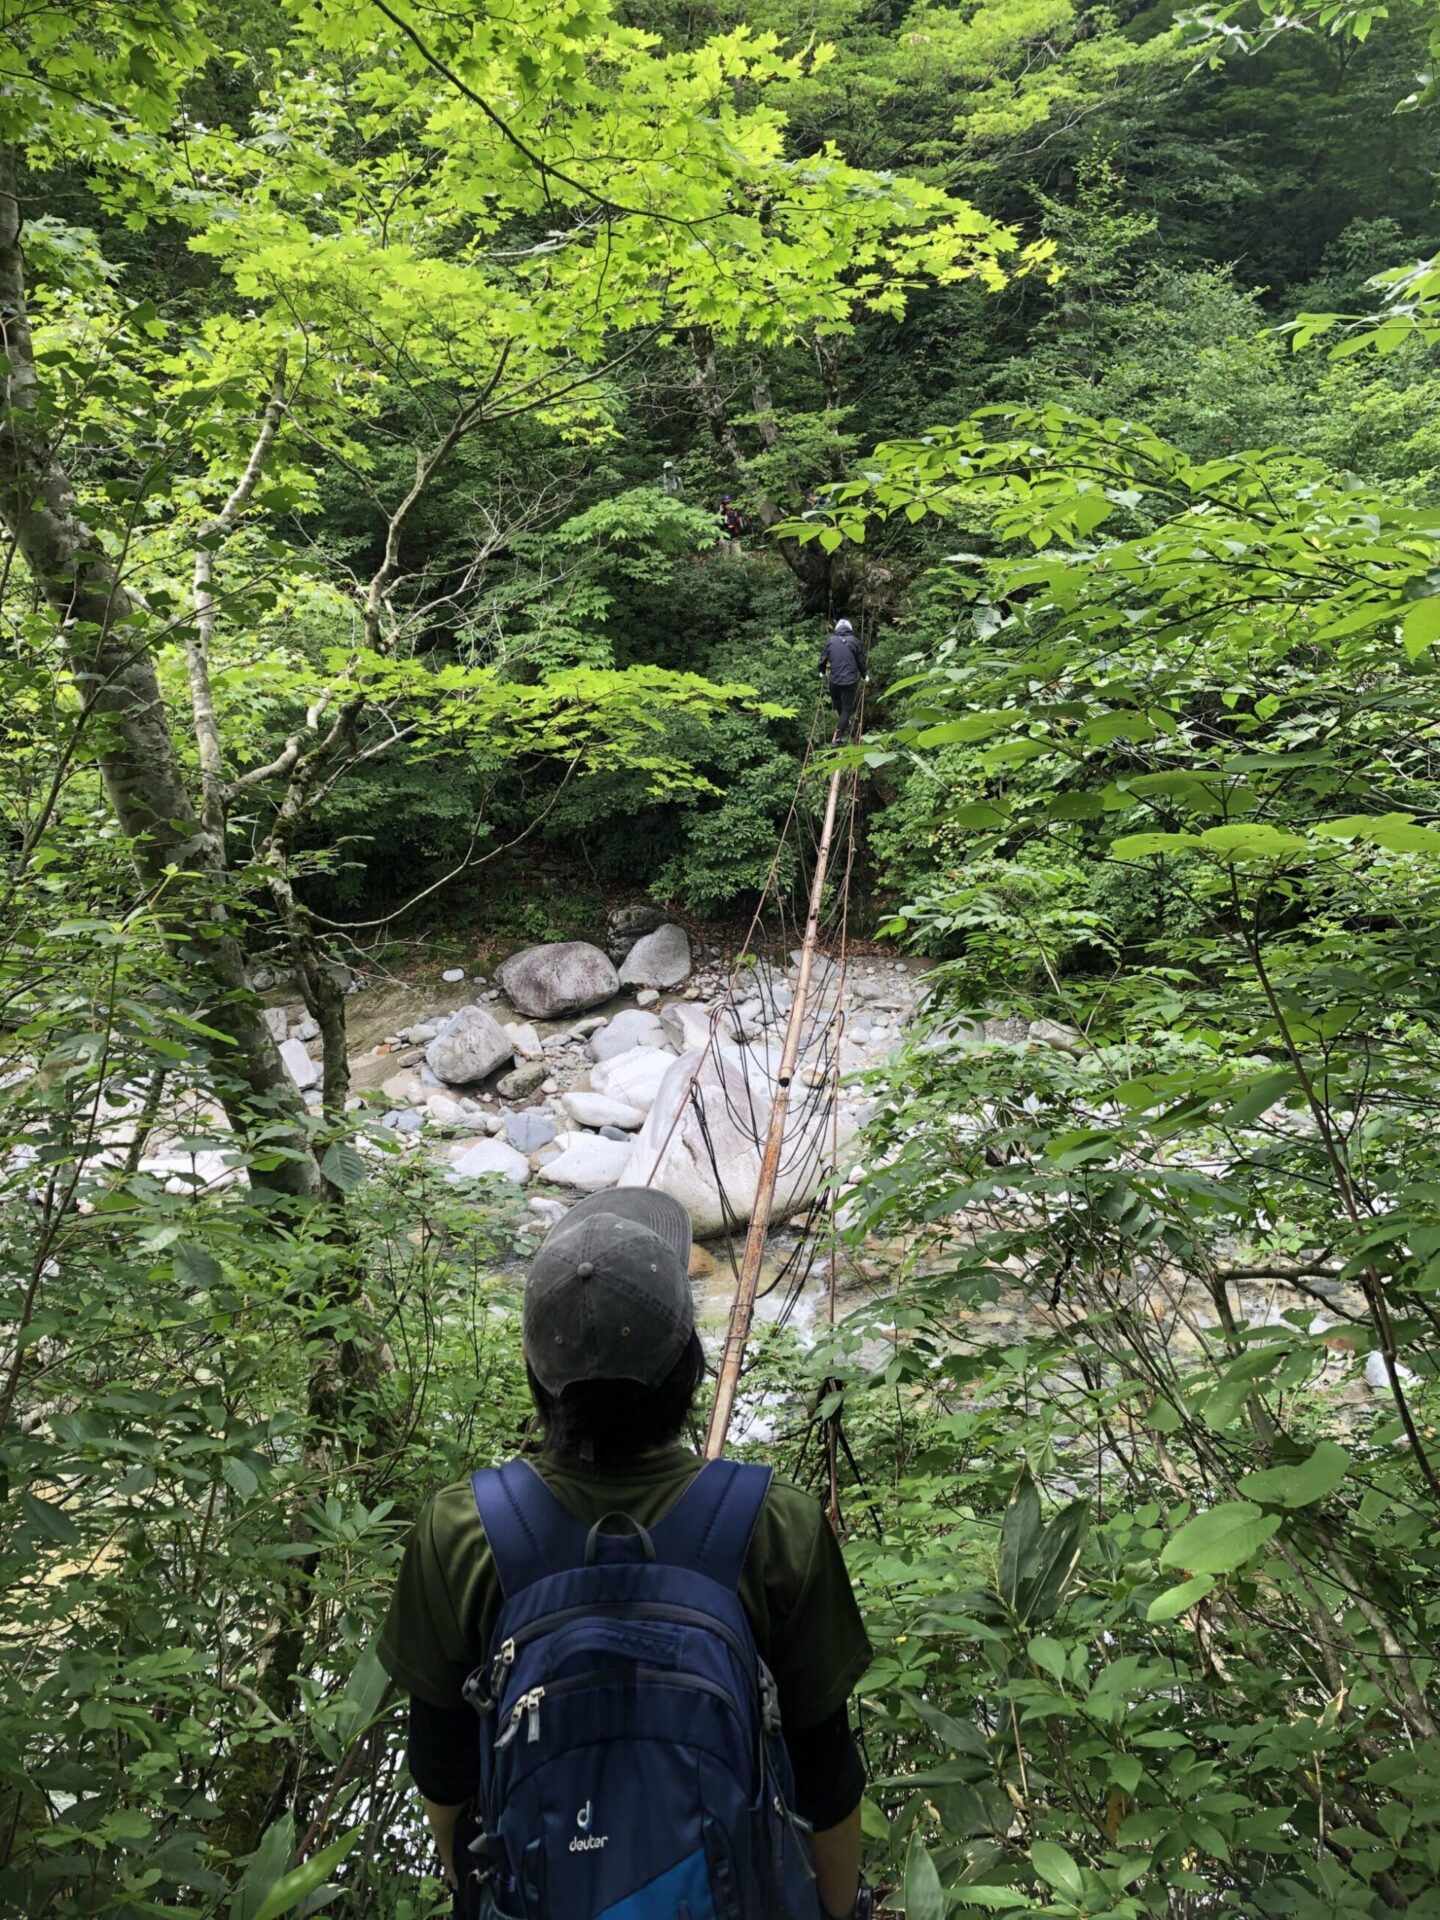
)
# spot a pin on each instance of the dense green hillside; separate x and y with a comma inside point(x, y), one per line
point(350, 627)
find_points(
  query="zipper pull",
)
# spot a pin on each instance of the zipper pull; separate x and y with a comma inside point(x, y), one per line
point(500, 1666)
point(528, 1703)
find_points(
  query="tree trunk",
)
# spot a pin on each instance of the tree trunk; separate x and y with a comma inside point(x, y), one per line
point(809, 564)
point(124, 716)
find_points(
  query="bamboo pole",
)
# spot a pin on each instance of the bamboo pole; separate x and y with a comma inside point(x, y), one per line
point(742, 1310)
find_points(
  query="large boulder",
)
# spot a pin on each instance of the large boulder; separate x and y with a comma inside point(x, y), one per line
point(630, 1028)
point(661, 959)
point(545, 982)
point(727, 1113)
point(492, 1156)
point(590, 1164)
point(471, 1045)
point(626, 925)
point(633, 1077)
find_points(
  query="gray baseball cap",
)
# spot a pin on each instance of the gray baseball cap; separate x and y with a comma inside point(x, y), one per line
point(608, 1295)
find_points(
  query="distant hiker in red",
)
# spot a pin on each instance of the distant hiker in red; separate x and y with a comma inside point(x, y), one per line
point(843, 656)
point(731, 522)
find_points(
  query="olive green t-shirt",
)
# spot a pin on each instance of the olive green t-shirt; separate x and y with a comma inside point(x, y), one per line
point(794, 1587)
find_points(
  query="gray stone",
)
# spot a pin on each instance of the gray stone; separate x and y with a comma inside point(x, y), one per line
point(391, 1119)
point(489, 1157)
point(647, 997)
point(549, 1212)
point(545, 982)
point(685, 1026)
point(402, 1086)
point(1054, 1033)
point(277, 1023)
point(304, 1071)
point(423, 1034)
point(528, 1044)
point(626, 925)
point(521, 1081)
point(307, 1027)
point(410, 1122)
point(262, 980)
point(591, 1164)
point(582, 1029)
point(661, 959)
point(470, 1045)
point(632, 1028)
point(615, 1133)
point(529, 1129)
point(452, 974)
point(598, 1110)
point(444, 1111)
point(430, 1079)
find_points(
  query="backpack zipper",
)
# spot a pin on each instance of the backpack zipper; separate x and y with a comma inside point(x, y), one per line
point(527, 1707)
point(504, 1658)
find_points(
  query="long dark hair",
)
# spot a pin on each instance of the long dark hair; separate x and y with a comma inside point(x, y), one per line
point(607, 1422)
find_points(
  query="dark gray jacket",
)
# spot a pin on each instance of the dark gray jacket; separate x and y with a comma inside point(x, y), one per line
point(844, 655)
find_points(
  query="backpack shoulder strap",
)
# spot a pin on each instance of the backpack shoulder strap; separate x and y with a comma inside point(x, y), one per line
point(530, 1533)
point(710, 1526)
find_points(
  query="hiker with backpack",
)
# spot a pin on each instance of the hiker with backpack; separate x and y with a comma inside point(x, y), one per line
point(657, 1653)
point(731, 523)
point(843, 656)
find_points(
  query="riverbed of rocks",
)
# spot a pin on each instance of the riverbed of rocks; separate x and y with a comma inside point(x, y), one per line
point(578, 1067)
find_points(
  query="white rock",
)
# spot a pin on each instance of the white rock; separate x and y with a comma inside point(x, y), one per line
point(470, 1045)
point(633, 1077)
point(307, 1028)
point(444, 1111)
point(661, 959)
point(492, 1156)
point(277, 1022)
point(632, 1028)
point(452, 974)
point(734, 1094)
point(590, 1165)
point(1377, 1374)
point(304, 1071)
point(598, 1110)
point(686, 1026)
point(402, 1086)
point(646, 997)
point(550, 1212)
point(547, 981)
point(582, 1029)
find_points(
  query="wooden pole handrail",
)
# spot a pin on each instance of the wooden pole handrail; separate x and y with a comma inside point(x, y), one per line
point(742, 1310)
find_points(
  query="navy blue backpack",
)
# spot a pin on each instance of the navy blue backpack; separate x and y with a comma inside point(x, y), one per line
point(631, 1761)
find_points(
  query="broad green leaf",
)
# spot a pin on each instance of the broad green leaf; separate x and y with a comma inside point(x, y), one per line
point(237, 1474)
point(266, 1865)
point(342, 1166)
point(1140, 846)
point(297, 1885)
point(364, 1691)
point(1421, 626)
point(1020, 1536)
point(197, 1267)
point(1304, 1483)
point(1221, 1539)
point(1177, 1600)
point(924, 1899)
point(1253, 840)
point(1057, 1869)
